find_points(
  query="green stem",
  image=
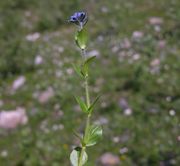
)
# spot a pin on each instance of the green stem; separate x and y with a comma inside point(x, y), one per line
point(80, 163)
point(87, 92)
point(88, 104)
point(89, 115)
point(83, 53)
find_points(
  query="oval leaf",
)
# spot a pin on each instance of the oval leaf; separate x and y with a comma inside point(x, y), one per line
point(75, 154)
point(81, 39)
point(94, 135)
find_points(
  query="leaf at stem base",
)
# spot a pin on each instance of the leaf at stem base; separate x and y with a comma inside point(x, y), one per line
point(75, 155)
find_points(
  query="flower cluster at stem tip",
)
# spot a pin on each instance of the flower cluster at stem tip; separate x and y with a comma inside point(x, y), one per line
point(79, 18)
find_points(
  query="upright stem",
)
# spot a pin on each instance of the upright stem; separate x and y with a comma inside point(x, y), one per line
point(88, 104)
point(86, 80)
point(83, 53)
point(80, 163)
point(89, 115)
point(87, 91)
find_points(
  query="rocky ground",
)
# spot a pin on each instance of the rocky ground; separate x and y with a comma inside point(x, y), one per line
point(137, 44)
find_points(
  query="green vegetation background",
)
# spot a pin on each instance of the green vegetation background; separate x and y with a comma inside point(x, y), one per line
point(150, 133)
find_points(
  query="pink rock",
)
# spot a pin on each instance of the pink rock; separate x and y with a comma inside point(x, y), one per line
point(178, 138)
point(123, 103)
point(46, 95)
point(155, 62)
point(19, 82)
point(123, 150)
point(108, 159)
point(115, 49)
point(102, 121)
point(161, 44)
point(70, 71)
point(128, 111)
point(33, 37)
point(137, 34)
point(93, 53)
point(155, 66)
point(11, 119)
point(136, 56)
point(155, 20)
point(38, 60)
point(126, 44)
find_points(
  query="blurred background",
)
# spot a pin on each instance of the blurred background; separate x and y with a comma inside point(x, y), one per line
point(137, 44)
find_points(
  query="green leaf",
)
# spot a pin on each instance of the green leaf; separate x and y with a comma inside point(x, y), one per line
point(93, 136)
point(75, 155)
point(90, 59)
point(82, 104)
point(78, 70)
point(85, 65)
point(90, 109)
point(81, 39)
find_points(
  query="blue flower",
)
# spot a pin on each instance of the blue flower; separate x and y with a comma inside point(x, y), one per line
point(79, 18)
